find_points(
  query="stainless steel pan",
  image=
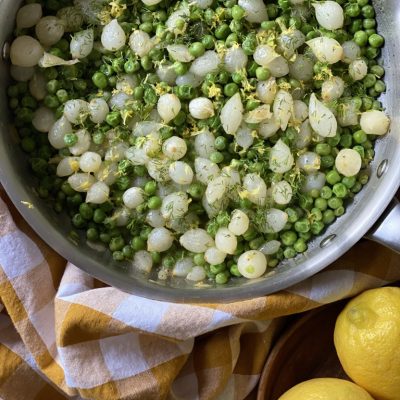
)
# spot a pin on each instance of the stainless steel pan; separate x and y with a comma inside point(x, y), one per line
point(360, 217)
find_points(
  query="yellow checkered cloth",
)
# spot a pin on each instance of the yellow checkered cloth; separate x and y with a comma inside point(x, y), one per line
point(65, 335)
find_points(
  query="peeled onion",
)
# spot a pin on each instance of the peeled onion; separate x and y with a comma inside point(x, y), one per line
point(204, 143)
point(304, 136)
point(281, 158)
point(57, 132)
point(235, 59)
point(351, 51)
point(140, 43)
point(282, 192)
point(142, 262)
point(232, 114)
point(278, 67)
point(239, 223)
point(43, 119)
point(179, 52)
point(160, 239)
point(208, 62)
point(322, 119)
point(266, 90)
point(201, 108)
point(76, 111)
point(203, 4)
point(181, 173)
point(302, 68)
point(197, 274)
point(133, 197)
point(98, 110)
point(183, 267)
point(327, 50)
point(252, 264)
point(256, 11)
point(189, 79)
point(332, 89)
point(26, 51)
point(309, 162)
point(82, 43)
point(315, 181)
point(98, 193)
point(275, 221)
point(264, 54)
point(270, 247)
point(329, 14)
point(113, 36)
point(358, 69)
point(214, 256)
point(348, 162)
point(374, 122)
point(67, 166)
point(108, 172)
point(216, 189)
point(155, 219)
point(90, 162)
point(174, 148)
point(83, 143)
point(22, 74)
point(300, 111)
point(348, 114)
point(81, 182)
point(29, 15)
point(196, 240)
point(268, 128)
point(283, 108)
point(258, 115)
point(255, 189)
point(205, 170)
point(168, 107)
point(49, 30)
point(225, 241)
point(244, 137)
point(37, 86)
point(289, 41)
point(175, 205)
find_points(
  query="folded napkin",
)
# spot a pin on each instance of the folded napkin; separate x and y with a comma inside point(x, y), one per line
point(65, 335)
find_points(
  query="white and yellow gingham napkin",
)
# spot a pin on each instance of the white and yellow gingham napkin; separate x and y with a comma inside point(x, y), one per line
point(65, 335)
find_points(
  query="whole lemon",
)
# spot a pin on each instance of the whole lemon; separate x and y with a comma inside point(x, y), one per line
point(367, 341)
point(326, 389)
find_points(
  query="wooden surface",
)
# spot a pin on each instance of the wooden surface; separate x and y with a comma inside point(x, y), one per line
point(305, 351)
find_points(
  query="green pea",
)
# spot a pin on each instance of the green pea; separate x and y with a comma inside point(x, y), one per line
point(154, 202)
point(156, 257)
point(368, 11)
point(249, 44)
point(353, 10)
point(234, 270)
point(70, 139)
point(216, 157)
point(113, 118)
point(289, 252)
point(137, 243)
point(376, 40)
point(51, 101)
point(326, 192)
point(302, 225)
point(197, 49)
point(329, 217)
point(238, 12)
point(262, 73)
point(196, 190)
point(150, 188)
point(377, 70)
point(361, 38)
point(335, 202)
point(218, 268)
point(78, 221)
point(230, 89)
point(221, 278)
point(198, 259)
point(99, 216)
point(180, 68)
point(208, 42)
point(289, 238)
point(380, 87)
point(300, 246)
point(323, 149)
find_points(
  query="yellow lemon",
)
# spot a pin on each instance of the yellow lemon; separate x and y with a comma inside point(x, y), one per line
point(326, 389)
point(367, 341)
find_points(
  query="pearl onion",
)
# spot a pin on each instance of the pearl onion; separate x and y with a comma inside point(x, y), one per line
point(205, 170)
point(358, 69)
point(155, 219)
point(175, 205)
point(116, 152)
point(181, 173)
point(235, 59)
point(142, 261)
point(197, 274)
point(216, 189)
point(183, 267)
point(309, 162)
point(76, 111)
point(133, 197)
point(348, 162)
point(113, 36)
point(255, 189)
point(22, 74)
point(252, 264)
point(90, 162)
point(160, 239)
point(25, 51)
point(239, 223)
point(214, 256)
point(57, 132)
point(196, 240)
point(168, 107)
point(282, 192)
point(81, 182)
point(204, 143)
point(29, 15)
point(67, 166)
point(174, 148)
point(98, 110)
point(225, 241)
point(83, 143)
point(374, 122)
point(98, 193)
point(140, 43)
point(158, 169)
point(108, 173)
point(201, 108)
point(37, 86)
point(49, 30)
point(43, 119)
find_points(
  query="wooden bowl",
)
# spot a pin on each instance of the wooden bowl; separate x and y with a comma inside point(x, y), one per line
point(305, 351)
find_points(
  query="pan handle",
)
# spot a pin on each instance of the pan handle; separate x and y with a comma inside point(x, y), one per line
point(386, 230)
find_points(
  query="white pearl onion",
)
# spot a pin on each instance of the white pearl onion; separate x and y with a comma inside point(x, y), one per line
point(49, 30)
point(26, 51)
point(158, 169)
point(155, 219)
point(183, 267)
point(351, 51)
point(255, 189)
point(266, 90)
point(216, 189)
point(205, 170)
point(57, 132)
point(140, 43)
point(82, 44)
point(374, 122)
point(214, 256)
point(329, 14)
point(22, 74)
point(67, 166)
point(332, 89)
point(37, 86)
point(29, 15)
point(225, 241)
point(108, 172)
point(98, 193)
point(203, 4)
point(168, 107)
point(151, 2)
point(90, 162)
point(309, 162)
point(204, 143)
point(133, 197)
point(282, 192)
point(113, 36)
point(208, 62)
point(98, 110)
point(264, 54)
point(175, 205)
point(275, 220)
point(252, 264)
point(174, 148)
point(358, 69)
point(160, 239)
point(326, 49)
point(256, 11)
point(142, 262)
point(232, 114)
point(196, 240)
point(197, 274)
point(281, 158)
point(235, 59)
point(348, 162)
point(116, 152)
point(76, 111)
point(201, 108)
point(239, 223)
point(314, 181)
point(83, 143)
point(81, 182)
point(43, 119)
point(181, 173)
